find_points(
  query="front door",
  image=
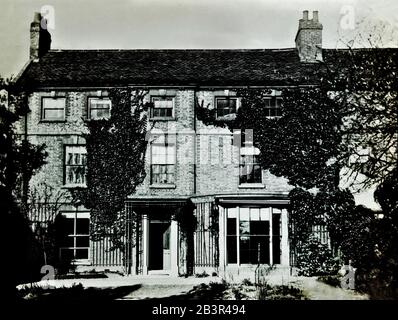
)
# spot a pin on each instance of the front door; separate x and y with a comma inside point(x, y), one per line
point(159, 245)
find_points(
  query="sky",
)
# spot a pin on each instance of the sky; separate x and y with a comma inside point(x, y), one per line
point(154, 24)
point(146, 24)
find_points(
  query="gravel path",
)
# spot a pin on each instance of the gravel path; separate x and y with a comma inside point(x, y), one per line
point(150, 287)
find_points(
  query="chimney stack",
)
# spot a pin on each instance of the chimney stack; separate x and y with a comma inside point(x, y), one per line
point(309, 38)
point(40, 38)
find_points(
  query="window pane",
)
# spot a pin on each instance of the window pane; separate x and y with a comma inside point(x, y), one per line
point(53, 114)
point(81, 253)
point(99, 114)
point(83, 241)
point(259, 248)
point(231, 249)
point(231, 226)
point(82, 226)
point(259, 227)
point(226, 106)
point(67, 254)
point(244, 249)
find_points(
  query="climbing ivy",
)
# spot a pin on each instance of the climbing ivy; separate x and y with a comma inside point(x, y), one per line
point(115, 162)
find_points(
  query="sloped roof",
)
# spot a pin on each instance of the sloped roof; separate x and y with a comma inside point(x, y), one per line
point(74, 68)
point(248, 67)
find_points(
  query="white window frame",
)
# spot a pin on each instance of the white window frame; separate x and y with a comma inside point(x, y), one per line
point(269, 212)
point(224, 98)
point(154, 98)
point(273, 107)
point(44, 108)
point(75, 216)
point(83, 151)
point(163, 142)
point(249, 151)
point(90, 99)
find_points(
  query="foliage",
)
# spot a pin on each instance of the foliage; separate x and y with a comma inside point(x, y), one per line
point(366, 87)
point(19, 160)
point(302, 144)
point(315, 258)
point(115, 162)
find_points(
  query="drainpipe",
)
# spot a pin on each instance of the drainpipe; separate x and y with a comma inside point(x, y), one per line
point(194, 140)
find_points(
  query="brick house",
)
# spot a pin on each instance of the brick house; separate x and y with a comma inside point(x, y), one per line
point(241, 211)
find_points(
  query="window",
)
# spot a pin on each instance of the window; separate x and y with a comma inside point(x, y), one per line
point(249, 167)
point(75, 165)
point(226, 106)
point(53, 109)
point(253, 236)
point(162, 162)
point(273, 106)
point(163, 107)
point(98, 108)
point(74, 233)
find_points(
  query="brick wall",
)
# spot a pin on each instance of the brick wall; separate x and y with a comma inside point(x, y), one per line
point(212, 149)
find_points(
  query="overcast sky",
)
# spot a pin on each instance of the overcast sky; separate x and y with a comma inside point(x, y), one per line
point(126, 24)
point(129, 24)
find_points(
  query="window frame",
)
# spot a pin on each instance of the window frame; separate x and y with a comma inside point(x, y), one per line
point(42, 112)
point(271, 212)
point(76, 185)
point(75, 215)
point(166, 143)
point(255, 184)
point(274, 107)
point(88, 109)
point(166, 118)
point(217, 98)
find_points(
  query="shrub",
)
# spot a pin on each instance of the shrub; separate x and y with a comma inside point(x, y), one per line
point(315, 258)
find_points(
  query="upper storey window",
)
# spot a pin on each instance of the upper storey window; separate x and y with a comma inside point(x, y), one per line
point(99, 108)
point(162, 108)
point(53, 109)
point(226, 106)
point(273, 107)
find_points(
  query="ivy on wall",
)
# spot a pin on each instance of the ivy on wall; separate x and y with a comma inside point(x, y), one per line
point(115, 162)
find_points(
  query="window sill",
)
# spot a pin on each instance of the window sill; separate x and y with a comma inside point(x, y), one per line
point(163, 186)
point(162, 119)
point(81, 262)
point(52, 121)
point(251, 186)
point(74, 186)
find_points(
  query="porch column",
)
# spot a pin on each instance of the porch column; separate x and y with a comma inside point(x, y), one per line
point(222, 239)
point(145, 243)
point(285, 259)
point(174, 248)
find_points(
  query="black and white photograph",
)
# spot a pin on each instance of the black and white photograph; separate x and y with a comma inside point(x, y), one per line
point(197, 156)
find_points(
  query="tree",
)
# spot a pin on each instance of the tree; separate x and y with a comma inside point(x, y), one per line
point(19, 160)
point(115, 162)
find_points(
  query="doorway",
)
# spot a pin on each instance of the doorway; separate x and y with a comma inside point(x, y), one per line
point(159, 245)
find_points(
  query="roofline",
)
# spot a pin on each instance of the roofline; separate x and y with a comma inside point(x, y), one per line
point(83, 88)
point(175, 49)
point(22, 71)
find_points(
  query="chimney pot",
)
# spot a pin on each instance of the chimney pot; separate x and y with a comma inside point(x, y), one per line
point(305, 15)
point(315, 16)
point(37, 17)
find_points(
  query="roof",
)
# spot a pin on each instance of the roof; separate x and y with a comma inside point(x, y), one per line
point(77, 68)
point(107, 68)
